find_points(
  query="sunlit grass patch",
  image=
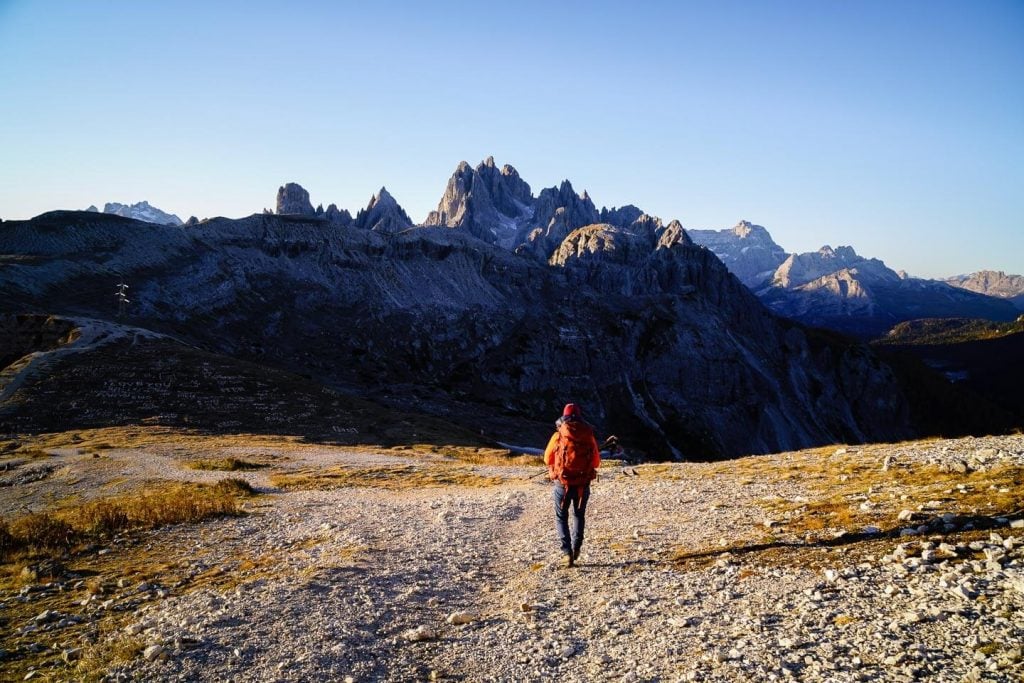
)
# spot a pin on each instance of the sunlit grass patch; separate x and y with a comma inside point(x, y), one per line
point(664, 471)
point(107, 438)
point(117, 650)
point(850, 492)
point(476, 455)
point(385, 476)
point(229, 464)
point(833, 494)
point(25, 452)
point(63, 528)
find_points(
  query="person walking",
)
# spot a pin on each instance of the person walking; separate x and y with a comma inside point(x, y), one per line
point(572, 458)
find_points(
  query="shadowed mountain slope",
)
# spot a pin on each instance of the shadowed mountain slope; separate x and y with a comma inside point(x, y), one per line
point(650, 333)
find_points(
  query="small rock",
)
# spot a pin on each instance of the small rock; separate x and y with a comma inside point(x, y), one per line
point(567, 651)
point(963, 592)
point(420, 633)
point(152, 652)
point(459, 618)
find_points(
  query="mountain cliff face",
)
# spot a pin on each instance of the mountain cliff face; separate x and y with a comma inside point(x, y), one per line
point(651, 333)
point(293, 200)
point(491, 205)
point(747, 250)
point(993, 283)
point(142, 211)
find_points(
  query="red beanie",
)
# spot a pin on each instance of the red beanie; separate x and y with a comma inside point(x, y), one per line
point(571, 409)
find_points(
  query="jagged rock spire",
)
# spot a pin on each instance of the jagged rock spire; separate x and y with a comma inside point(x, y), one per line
point(293, 200)
point(486, 202)
point(383, 214)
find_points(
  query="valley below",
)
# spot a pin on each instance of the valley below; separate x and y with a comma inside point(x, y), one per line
point(888, 562)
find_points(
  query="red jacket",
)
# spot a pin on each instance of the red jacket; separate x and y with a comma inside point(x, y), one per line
point(581, 436)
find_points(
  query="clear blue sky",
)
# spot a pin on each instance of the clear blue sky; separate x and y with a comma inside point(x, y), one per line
point(895, 127)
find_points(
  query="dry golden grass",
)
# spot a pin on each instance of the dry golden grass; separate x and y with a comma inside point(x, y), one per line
point(230, 464)
point(838, 486)
point(107, 438)
point(159, 561)
point(173, 503)
point(476, 455)
point(391, 477)
point(832, 487)
point(117, 649)
point(664, 471)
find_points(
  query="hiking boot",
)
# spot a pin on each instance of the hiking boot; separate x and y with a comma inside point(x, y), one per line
point(570, 559)
point(576, 555)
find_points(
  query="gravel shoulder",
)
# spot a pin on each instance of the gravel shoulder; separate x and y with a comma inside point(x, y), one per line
point(685, 575)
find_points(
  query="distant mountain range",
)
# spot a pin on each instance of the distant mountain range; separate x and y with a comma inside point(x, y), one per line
point(993, 283)
point(502, 306)
point(841, 290)
point(611, 309)
point(141, 211)
point(831, 288)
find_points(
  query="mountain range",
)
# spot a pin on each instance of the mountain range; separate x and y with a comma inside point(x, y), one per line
point(498, 309)
point(993, 283)
point(141, 211)
point(832, 288)
point(841, 290)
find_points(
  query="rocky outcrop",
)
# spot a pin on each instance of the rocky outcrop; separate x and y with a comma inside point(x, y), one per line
point(799, 269)
point(486, 202)
point(993, 283)
point(383, 214)
point(141, 211)
point(557, 212)
point(293, 200)
point(746, 249)
point(341, 218)
point(620, 217)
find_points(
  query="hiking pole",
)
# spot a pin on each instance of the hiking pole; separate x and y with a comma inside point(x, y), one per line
point(534, 476)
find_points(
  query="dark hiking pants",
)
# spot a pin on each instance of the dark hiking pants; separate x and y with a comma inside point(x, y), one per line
point(577, 497)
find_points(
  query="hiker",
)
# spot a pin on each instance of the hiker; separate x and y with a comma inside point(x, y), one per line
point(572, 458)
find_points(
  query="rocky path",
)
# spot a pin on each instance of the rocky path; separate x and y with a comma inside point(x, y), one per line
point(680, 579)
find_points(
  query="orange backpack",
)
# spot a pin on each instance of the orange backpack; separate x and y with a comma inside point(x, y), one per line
point(573, 460)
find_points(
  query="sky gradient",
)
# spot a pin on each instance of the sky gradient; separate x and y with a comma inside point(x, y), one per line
point(894, 127)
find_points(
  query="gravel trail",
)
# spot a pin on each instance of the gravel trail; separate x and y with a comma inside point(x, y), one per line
point(465, 583)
